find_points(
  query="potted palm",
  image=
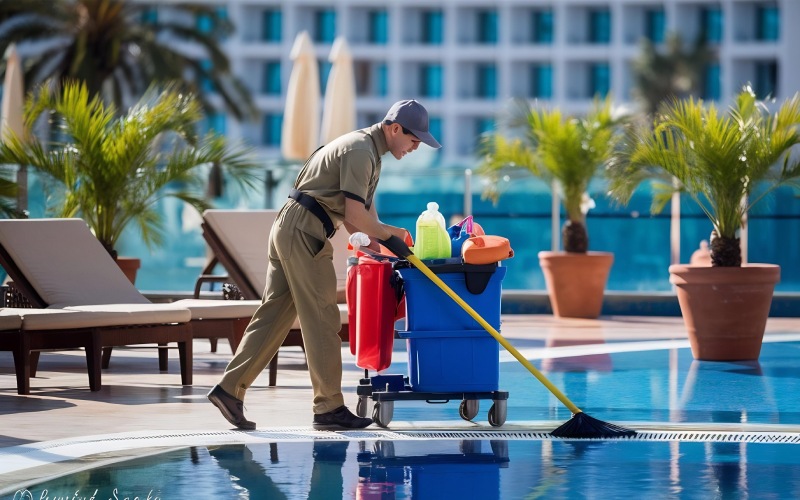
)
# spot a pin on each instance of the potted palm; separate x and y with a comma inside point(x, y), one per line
point(570, 152)
point(112, 171)
point(726, 164)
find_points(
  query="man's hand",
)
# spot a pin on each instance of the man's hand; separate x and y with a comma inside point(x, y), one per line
point(397, 246)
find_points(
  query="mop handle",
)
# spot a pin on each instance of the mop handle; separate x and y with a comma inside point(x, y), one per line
point(494, 333)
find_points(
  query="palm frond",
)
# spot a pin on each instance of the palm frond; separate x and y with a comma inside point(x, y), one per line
point(112, 171)
point(718, 158)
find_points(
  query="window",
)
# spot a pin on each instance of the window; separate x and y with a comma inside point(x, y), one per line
point(484, 125)
point(214, 122)
point(371, 78)
point(325, 26)
point(487, 81)
point(271, 129)
point(150, 15)
point(435, 127)
point(487, 26)
point(272, 78)
point(656, 25)
point(711, 21)
point(381, 80)
point(271, 26)
point(767, 23)
point(324, 72)
point(599, 79)
point(600, 26)
point(766, 79)
point(542, 26)
point(712, 87)
point(433, 27)
point(541, 81)
point(378, 27)
point(206, 85)
point(204, 22)
point(431, 76)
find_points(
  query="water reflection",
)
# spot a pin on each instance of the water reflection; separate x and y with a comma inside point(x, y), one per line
point(463, 469)
point(579, 362)
point(717, 392)
point(446, 468)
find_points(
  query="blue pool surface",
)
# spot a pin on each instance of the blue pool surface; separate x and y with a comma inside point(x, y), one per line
point(663, 385)
point(481, 469)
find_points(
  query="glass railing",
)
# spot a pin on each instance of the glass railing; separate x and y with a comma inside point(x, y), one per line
point(640, 242)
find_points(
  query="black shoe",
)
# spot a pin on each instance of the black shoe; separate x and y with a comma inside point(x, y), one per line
point(231, 408)
point(340, 418)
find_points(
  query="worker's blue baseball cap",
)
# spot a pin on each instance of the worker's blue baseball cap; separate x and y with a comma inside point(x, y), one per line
point(413, 116)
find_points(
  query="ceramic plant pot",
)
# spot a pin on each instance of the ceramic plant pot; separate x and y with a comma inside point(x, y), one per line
point(129, 266)
point(576, 281)
point(725, 309)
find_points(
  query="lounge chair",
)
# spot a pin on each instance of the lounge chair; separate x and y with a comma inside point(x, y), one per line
point(26, 332)
point(58, 263)
point(239, 241)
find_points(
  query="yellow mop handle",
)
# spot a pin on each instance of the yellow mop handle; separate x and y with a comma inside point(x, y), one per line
point(494, 333)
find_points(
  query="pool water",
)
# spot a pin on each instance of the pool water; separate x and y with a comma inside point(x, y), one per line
point(439, 469)
point(662, 385)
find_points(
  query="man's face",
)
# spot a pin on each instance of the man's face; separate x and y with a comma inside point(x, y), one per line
point(400, 144)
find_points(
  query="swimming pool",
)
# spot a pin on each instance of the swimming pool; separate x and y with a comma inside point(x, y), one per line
point(449, 468)
point(707, 430)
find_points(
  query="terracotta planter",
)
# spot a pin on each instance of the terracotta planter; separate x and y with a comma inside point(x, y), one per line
point(129, 266)
point(576, 282)
point(725, 309)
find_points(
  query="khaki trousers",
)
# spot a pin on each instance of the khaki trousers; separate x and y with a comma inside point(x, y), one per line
point(301, 282)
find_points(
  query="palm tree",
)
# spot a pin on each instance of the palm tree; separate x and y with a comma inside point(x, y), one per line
point(113, 170)
point(551, 146)
point(673, 73)
point(719, 160)
point(8, 194)
point(119, 50)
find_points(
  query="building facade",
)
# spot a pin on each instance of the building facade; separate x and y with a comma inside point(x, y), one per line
point(465, 58)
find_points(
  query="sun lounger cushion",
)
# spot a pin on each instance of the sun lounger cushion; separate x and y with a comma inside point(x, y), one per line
point(10, 319)
point(91, 277)
point(102, 316)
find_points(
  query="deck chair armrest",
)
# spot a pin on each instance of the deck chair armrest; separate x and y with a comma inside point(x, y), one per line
point(208, 278)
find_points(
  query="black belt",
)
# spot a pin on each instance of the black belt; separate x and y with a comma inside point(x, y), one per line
point(313, 206)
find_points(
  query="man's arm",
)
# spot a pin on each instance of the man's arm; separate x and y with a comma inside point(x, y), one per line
point(358, 218)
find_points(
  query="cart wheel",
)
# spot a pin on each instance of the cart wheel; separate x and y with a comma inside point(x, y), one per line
point(361, 406)
point(497, 413)
point(382, 413)
point(469, 408)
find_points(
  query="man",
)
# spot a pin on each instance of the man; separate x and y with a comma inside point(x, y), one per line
point(335, 187)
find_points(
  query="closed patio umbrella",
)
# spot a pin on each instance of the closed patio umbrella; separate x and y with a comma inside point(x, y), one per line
point(11, 119)
point(339, 109)
point(300, 132)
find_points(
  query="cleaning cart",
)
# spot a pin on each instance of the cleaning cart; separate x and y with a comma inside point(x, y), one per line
point(450, 356)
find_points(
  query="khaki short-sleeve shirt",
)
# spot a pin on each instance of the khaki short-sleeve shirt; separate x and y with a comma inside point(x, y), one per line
point(347, 167)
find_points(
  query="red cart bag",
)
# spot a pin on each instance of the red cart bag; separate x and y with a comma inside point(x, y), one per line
point(373, 307)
